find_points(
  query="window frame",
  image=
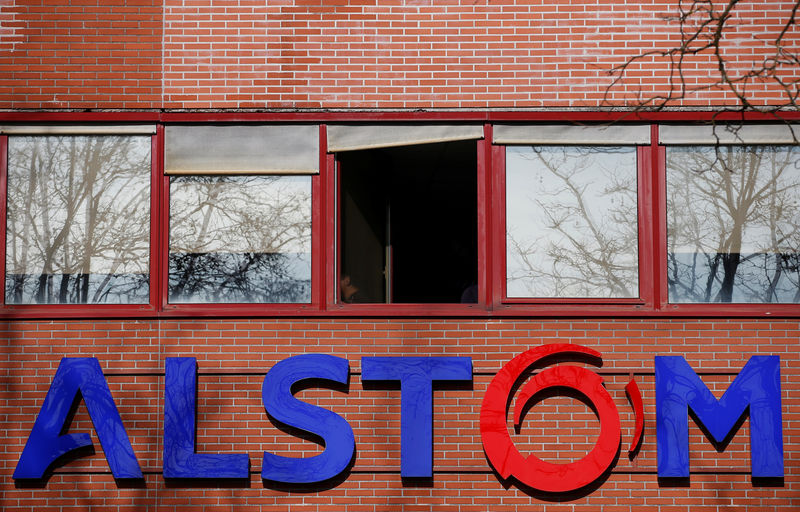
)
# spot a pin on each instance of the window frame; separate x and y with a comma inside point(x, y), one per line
point(91, 309)
point(701, 309)
point(653, 301)
point(231, 308)
point(333, 264)
point(644, 229)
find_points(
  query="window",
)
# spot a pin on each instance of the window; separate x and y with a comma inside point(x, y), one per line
point(408, 213)
point(240, 213)
point(78, 219)
point(733, 223)
point(401, 218)
point(240, 239)
point(572, 217)
point(409, 223)
point(571, 221)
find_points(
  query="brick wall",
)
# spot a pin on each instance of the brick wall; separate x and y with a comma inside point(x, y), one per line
point(359, 55)
point(233, 356)
point(401, 54)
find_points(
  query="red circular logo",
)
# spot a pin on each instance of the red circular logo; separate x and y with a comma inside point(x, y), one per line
point(531, 470)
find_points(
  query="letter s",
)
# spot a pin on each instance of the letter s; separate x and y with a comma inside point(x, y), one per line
point(283, 407)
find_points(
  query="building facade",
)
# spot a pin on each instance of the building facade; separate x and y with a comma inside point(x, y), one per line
point(403, 213)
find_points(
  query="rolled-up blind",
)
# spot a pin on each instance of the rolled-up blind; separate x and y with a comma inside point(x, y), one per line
point(81, 129)
point(353, 137)
point(613, 134)
point(241, 149)
point(729, 134)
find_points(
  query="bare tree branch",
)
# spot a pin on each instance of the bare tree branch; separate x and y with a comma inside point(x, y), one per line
point(704, 29)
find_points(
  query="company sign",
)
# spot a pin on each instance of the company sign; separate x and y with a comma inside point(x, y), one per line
point(756, 389)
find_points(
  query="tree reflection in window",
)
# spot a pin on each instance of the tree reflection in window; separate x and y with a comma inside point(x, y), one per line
point(733, 224)
point(571, 221)
point(240, 239)
point(78, 222)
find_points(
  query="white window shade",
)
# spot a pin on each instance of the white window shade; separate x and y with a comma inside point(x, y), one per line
point(614, 134)
point(88, 129)
point(729, 134)
point(370, 136)
point(241, 149)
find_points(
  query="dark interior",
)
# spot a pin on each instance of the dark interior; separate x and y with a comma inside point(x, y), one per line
point(410, 213)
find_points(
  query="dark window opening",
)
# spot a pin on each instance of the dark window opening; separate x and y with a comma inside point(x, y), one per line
point(409, 224)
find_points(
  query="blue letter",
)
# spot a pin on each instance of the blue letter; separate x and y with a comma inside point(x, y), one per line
point(46, 444)
point(757, 385)
point(416, 376)
point(336, 433)
point(180, 459)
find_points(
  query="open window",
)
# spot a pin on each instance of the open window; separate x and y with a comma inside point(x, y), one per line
point(240, 212)
point(407, 213)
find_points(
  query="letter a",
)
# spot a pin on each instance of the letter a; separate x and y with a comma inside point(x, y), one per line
point(45, 444)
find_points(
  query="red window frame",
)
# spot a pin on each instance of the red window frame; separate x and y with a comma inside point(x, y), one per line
point(10, 311)
point(714, 309)
point(333, 233)
point(644, 228)
point(241, 309)
point(653, 300)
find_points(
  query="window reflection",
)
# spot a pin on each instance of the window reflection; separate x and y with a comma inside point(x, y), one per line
point(733, 224)
point(78, 220)
point(571, 222)
point(240, 239)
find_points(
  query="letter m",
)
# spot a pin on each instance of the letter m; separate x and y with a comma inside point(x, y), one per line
point(757, 386)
